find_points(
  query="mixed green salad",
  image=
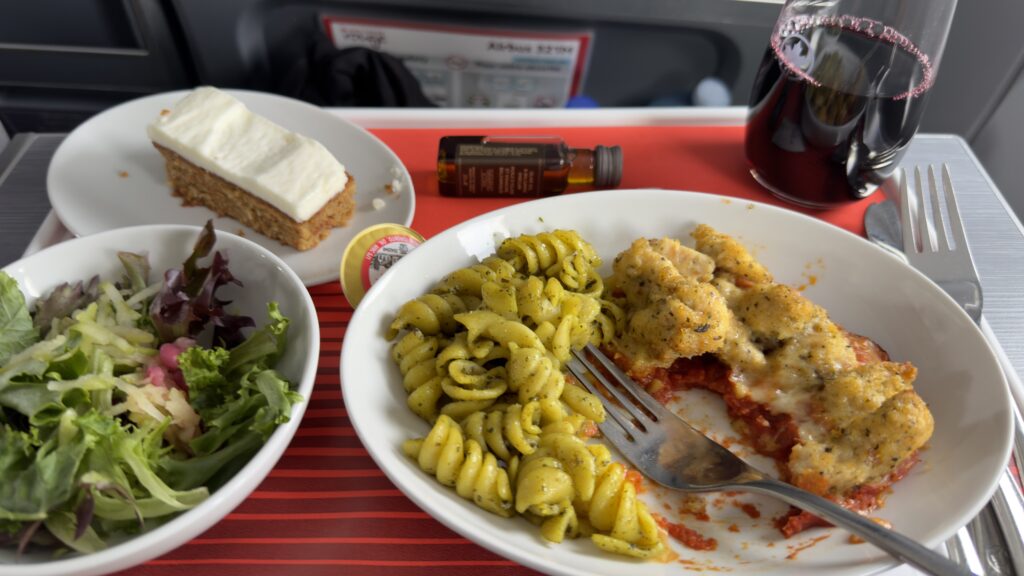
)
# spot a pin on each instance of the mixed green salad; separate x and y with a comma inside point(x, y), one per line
point(114, 415)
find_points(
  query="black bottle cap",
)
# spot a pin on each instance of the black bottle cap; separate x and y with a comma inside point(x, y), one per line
point(607, 166)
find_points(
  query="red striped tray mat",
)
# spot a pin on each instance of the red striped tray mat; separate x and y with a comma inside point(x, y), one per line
point(326, 508)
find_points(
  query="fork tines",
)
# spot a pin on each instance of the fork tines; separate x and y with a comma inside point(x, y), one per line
point(631, 407)
point(923, 234)
point(926, 234)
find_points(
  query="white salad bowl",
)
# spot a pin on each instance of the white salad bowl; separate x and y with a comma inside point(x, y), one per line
point(266, 278)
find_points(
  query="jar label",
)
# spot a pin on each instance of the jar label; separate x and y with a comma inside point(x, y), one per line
point(383, 254)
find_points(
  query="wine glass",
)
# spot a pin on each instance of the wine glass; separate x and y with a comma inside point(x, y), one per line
point(840, 93)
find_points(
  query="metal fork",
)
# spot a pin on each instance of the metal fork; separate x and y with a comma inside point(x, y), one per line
point(669, 451)
point(926, 247)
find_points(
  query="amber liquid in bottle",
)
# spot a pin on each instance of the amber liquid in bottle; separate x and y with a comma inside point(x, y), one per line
point(477, 166)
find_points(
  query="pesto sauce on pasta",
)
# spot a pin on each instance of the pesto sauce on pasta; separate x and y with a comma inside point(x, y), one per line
point(481, 359)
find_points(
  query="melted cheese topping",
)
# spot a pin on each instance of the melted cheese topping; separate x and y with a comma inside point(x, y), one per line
point(216, 132)
point(857, 419)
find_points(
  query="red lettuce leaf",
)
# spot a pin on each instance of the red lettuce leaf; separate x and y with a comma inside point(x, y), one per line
point(187, 303)
point(63, 300)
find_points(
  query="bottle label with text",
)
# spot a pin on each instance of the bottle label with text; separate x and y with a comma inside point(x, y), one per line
point(499, 170)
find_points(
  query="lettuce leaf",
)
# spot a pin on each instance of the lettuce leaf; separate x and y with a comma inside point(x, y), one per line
point(126, 459)
point(208, 389)
point(62, 525)
point(32, 399)
point(218, 378)
point(63, 300)
point(279, 397)
point(264, 347)
point(187, 303)
point(34, 478)
point(16, 329)
point(240, 398)
point(211, 470)
point(136, 269)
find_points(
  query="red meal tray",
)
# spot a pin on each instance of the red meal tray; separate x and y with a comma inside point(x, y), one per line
point(326, 508)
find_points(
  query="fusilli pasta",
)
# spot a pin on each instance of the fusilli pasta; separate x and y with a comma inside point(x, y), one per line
point(431, 314)
point(481, 359)
point(621, 522)
point(470, 280)
point(536, 254)
point(461, 463)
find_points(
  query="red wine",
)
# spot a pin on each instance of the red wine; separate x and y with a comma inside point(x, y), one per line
point(834, 105)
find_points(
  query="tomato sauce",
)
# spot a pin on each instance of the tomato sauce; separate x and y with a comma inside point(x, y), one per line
point(770, 434)
point(794, 551)
point(862, 499)
point(688, 537)
point(866, 349)
point(636, 479)
point(749, 509)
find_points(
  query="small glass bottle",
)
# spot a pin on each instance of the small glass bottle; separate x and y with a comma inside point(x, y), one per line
point(522, 166)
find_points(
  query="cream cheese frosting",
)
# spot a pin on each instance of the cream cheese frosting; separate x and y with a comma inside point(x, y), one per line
point(216, 132)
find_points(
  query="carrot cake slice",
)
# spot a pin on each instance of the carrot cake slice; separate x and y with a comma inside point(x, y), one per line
point(222, 156)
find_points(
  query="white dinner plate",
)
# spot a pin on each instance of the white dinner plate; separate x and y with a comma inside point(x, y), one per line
point(106, 174)
point(864, 289)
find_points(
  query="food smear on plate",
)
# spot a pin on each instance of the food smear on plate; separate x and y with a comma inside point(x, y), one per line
point(748, 509)
point(481, 357)
point(126, 401)
point(687, 536)
point(239, 164)
point(796, 549)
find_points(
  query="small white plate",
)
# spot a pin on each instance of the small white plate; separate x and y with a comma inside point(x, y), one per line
point(863, 288)
point(106, 174)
